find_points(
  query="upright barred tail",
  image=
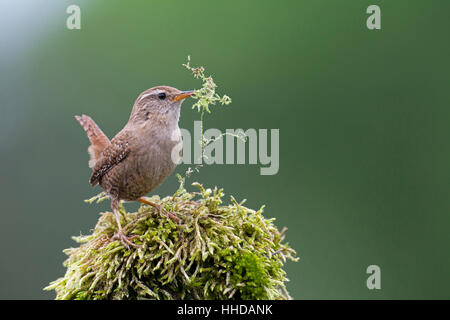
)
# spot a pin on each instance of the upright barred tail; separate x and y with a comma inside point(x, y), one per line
point(99, 141)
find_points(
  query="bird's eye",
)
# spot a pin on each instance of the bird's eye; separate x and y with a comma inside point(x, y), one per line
point(161, 95)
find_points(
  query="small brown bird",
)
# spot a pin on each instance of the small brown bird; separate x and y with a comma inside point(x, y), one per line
point(139, 157)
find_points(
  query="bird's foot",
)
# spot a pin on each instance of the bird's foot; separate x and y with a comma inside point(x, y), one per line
point(126, 241)
point(160, 209)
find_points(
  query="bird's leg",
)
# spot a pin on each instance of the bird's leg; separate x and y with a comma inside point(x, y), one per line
point(159, 208)
point(126, 241)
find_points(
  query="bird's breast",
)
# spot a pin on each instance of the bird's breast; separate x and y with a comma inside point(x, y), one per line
point(160, 157)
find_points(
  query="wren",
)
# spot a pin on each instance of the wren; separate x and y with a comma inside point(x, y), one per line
point(139, 157)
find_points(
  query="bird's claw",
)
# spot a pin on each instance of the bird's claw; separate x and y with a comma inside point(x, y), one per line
point(126, 241)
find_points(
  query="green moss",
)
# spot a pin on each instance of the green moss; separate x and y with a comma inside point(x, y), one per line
point(216, 252)
point(251, 271)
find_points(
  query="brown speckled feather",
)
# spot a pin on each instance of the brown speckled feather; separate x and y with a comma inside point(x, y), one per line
point(113, 154)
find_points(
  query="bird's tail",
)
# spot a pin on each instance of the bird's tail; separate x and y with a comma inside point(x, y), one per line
point(99, 141)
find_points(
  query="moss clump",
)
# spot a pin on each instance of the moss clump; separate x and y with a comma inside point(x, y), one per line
point(215, 252)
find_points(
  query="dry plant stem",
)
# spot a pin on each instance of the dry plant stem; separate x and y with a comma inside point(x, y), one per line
point(159, 208)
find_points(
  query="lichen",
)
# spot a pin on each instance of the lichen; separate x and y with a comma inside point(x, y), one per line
point(216, 251)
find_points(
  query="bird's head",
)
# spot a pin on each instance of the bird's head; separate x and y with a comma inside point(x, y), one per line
point(158, 102)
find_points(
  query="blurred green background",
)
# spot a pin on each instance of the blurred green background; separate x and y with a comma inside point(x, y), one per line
point(363, 118)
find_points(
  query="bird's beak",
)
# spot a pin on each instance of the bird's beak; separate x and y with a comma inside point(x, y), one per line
point(183, 95)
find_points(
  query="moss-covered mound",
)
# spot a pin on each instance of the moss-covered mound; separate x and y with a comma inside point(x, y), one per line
point(215, 252)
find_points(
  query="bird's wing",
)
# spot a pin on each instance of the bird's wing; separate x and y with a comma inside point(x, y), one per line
point(112, 155)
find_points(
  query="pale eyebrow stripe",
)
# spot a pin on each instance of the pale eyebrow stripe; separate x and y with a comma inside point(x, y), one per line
point(148, 94)
point(145, 95)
